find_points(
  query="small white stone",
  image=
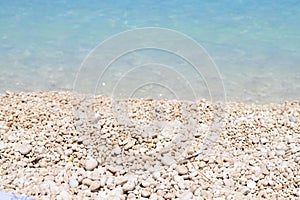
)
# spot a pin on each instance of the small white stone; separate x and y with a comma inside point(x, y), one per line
point(228, 182)
point(201, 164)
point(280, 152)
point(68, 152)
point(145, 183)
point(131, 196)
point(24, 148)
point(113, 169)
point(91, 164)
point(169, 196)
point(187, 196)
point(251, 184)
point(115, 194)
point(87, 182)
point(117, 150)
point(178, 179)
point(95, 185)
point(129, 186)
point(145, 193)
point(156, 175)
point(264, 140)
point(167, 160)
point(73, 182)
point(181, 169)
point(121, 180)
point(130, 144)
point(65, 195)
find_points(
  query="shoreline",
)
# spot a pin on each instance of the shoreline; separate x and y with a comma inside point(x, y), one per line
point(231, 101)
point(135, 149)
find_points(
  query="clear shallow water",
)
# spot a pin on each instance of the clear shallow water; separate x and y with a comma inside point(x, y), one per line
point(256, 45)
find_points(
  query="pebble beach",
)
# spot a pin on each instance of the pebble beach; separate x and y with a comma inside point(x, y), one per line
point(56, 145)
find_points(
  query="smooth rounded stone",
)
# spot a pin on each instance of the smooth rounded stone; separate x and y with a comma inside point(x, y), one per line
point(95, 185)
point(169, 196)
point(115, 194)
point(94, 175)
point(24, 148)
point(244, 190)
point(73, 182)
point(167, 160)
point(131, 196)
point(187, 196)
point(181, 169)
point(69, 165)
point(129, 145)
point(121, 180)
point(110, 182)
point(113, 169)
point(160, 192)
point(91, 164)
point(178, 179)
point(65, 195)
point(129, 186)
point(145, 183)
point(103, 180)
point(201, 164)
point(87, 182)
point(68, 152)
point(156, 175)
point(85, 140)
point(145, 193)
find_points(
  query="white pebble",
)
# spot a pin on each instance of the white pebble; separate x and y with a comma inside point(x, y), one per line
point(121, 180)
point(91, 164)
point(187, 196)
point(117, 150)
point(73, 182)
point(65, 195)
point(87, 182)
point(24, 148)
point(228, 182)
point(95, 185)
point(167, 160)
point(264, 140)
point(169, 196)
point(129, 186)
point(145, 193)
point(251, 184)
point(181, 169)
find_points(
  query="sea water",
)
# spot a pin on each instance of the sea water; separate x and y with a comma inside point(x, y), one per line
point(254, 44)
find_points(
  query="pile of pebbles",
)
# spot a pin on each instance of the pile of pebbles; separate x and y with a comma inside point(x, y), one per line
point(58, 145)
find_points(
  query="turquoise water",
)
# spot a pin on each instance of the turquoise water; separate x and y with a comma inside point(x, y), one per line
point(255, 44)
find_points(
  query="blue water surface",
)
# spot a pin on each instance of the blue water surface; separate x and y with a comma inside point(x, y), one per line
point(255, 44)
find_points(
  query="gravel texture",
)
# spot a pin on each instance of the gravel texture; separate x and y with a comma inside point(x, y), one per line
point(58, 145)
